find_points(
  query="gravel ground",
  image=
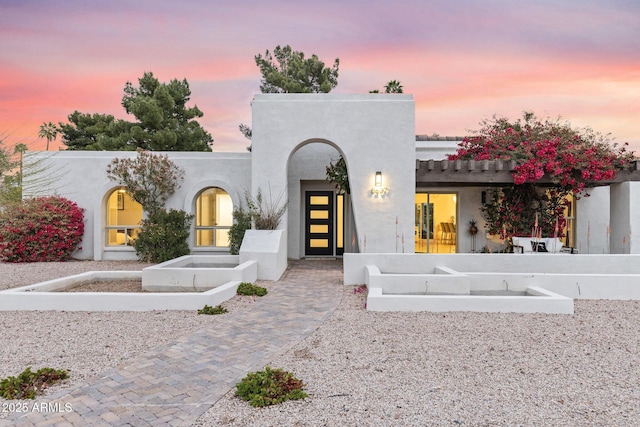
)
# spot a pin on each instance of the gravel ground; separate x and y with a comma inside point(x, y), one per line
point(376, 369)
point(13, 275)
point(107, 286)
point(459, 369)
point(86, 343)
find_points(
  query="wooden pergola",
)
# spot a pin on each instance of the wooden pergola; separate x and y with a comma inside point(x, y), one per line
point(483, 173)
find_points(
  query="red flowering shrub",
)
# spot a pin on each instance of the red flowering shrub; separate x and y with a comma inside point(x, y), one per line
point(41, 229)
point(572, 160)
point(512, 211)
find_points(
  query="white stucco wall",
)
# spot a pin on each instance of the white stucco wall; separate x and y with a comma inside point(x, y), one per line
point(374, 132)
point(593, 221)
point(81, 177)
point(625, 217)
point(435, 150)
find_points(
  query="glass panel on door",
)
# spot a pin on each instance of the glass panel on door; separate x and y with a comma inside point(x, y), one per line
point(319, 223)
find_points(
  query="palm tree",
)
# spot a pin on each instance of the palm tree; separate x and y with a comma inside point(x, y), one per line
point(49, 131)
point(393, 86)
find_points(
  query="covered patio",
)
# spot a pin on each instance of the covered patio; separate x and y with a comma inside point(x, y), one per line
point(604, 220)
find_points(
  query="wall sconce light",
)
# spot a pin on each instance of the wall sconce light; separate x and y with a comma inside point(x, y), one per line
point(378, 189)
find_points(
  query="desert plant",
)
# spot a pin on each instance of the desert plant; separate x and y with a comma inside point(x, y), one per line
point(218, 309)
point(28, 384)
point(246, 288)
point(150, 179)
point(266, 214)
point(34, 177)
point(163, 236)
point(41, 229)
point(241, 223)
point(270, 387)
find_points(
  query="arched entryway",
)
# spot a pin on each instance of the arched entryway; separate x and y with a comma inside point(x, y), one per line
point(375, 133)
point(320, 221)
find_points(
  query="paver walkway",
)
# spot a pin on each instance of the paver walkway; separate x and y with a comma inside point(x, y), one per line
point(173, 385)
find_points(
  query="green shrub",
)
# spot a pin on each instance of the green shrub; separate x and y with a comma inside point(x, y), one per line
point(163, 236)
point(207, 309)
point(242, 223)
point(41, 229)
point(337, 173)
point(269, 387)
point(28, 383)
point(246, 288)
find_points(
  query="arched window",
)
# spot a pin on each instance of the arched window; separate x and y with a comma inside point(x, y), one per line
point(123, 219)
point(214, 217)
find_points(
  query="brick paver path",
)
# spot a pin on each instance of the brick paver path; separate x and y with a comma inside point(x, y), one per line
point(173, 385)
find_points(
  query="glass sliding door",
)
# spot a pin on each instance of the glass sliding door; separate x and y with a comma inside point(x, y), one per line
point(435, 223)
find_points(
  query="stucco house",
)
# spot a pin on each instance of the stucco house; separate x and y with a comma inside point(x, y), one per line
point(405, 198)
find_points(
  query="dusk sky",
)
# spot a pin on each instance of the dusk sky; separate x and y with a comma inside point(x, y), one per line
point(463, 60)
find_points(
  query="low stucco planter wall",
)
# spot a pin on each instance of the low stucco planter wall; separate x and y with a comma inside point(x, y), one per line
point(197, 273)
point(42, 297)
point(269, 249)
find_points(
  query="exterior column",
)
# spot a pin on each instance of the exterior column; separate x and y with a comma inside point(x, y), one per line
point(625, 218)
point(593, 222)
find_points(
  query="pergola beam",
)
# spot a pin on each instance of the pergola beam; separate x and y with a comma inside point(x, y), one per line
point(465, 173)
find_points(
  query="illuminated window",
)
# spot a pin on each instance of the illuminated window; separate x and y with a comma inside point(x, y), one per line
point(569, 239)
point(435, 227)
point(123, 219)
point(214, 218)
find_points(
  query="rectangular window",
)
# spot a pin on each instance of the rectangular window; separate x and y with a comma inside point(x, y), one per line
point(319, 200)
point(319, 214)
point(318, 243)
point(340, 223)
point(319, 228)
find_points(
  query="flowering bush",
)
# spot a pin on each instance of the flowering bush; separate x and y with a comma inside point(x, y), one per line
point(41, 229)
point(571, 159)
point(150, 179)
point(513, 211)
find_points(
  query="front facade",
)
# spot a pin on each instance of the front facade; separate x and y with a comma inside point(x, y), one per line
point(420, 206)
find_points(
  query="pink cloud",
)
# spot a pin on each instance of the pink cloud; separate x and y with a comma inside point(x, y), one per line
point(462, 61)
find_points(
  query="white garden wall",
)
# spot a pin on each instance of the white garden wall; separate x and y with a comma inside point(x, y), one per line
point(82, 178)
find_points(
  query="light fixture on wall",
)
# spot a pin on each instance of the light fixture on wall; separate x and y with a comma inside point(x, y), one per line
point(378, 189)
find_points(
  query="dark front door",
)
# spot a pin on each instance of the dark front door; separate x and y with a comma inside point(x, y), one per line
point(319, 223)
